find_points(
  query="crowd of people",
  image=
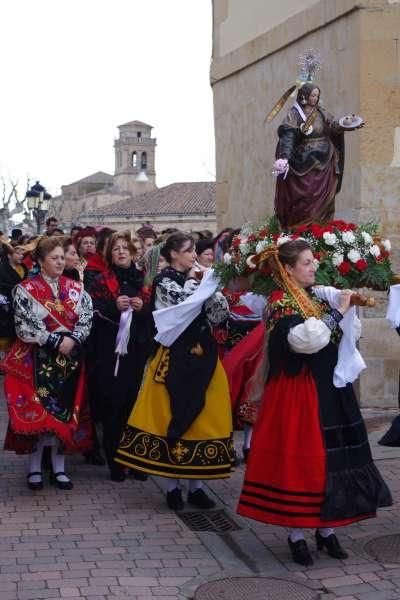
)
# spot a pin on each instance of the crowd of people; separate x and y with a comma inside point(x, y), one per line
point(125, 349)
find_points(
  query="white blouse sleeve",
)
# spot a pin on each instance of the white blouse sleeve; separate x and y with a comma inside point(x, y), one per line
point(29, 318)
point(309, 337)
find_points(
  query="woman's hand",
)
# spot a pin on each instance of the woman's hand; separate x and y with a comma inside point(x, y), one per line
point(123, 302)
point(66, 346)
point(136, 303)
point(192, 273)
point(344, 301)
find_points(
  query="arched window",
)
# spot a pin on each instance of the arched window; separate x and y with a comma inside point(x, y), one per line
point(134, 159)
point(143, 160)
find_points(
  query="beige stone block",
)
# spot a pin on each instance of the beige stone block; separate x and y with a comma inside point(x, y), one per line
point(378, 340)
point(371, 383)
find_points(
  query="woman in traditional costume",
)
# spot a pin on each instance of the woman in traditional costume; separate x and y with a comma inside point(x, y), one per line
point(72, 268)
point(181, 424)
point(12, 272)
point(310, 463)
point(45, 379)
point(119, 343)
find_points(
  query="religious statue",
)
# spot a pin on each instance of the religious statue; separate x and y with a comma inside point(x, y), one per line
point(310, 153)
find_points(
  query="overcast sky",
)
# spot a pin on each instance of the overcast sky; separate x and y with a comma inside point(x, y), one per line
point(72, 70)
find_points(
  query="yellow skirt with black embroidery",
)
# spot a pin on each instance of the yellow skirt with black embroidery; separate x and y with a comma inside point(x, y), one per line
point(206, 449)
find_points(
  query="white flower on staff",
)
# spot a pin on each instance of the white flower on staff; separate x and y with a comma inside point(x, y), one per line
point(375, 251)
point(282, 239)
point(367, 237)
point(316, 263)
point(261, 245)
point(348, 237)
point(354, 255)
point(387, 245)
point(227, 258)
point(329, 238)
point(337, 259)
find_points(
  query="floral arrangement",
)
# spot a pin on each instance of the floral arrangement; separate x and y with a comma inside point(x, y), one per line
point(347, 255)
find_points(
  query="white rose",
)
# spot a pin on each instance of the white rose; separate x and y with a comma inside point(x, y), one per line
point(244, 248)
point(387, 245)
point(375, 251)
point(337, 259)
point(261, 245)
point(282, 239)
point(329, 238)
point(354, 255)
point(366, 237)
point(316, 263)
point(227, 258)
point(348, 237)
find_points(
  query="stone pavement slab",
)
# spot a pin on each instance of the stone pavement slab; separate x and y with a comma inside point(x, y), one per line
point(106, 540)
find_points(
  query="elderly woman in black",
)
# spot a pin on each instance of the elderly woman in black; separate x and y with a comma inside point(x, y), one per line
point(12, 271)
point(119, 335)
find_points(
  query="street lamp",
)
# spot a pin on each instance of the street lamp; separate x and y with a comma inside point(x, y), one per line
point(38, 201)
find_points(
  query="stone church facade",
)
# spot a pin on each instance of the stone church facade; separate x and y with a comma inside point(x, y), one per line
point(129, 197)
point(255, 49)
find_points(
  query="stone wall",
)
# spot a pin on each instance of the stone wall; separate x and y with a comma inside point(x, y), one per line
point(360, 45)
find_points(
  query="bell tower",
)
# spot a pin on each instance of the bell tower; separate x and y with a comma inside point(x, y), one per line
point(135, 158)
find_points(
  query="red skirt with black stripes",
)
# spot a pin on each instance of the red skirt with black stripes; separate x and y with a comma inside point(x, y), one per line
point(285, 477)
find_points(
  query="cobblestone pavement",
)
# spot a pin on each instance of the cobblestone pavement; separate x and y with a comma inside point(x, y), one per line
point(105, 540)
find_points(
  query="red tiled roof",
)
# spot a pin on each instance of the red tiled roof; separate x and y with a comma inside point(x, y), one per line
point(174, 199)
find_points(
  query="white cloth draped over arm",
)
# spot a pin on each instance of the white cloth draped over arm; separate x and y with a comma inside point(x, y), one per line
point(29, 318)
point(393, 310)
point(309, 337)
point(173, 320)
point(350, 362)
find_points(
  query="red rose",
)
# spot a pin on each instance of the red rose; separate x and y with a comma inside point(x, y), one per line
point(361, 264)
point(263, 233)
point(275, 236)
point(317, 231)
point(236, 242)
point(344, 267)
point(251, 238)
point(317, 255)
point(275, 296)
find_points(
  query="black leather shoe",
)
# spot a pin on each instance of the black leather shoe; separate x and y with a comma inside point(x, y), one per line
point(117, 474)
point(174, 500)
point(200, 499)
point(35, 486)
point(61, 485)
point(331, 543)
point(300, 552)
point(139, 476)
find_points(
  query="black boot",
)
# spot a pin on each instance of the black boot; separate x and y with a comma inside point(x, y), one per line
point(300, 552)
point(174, 500)
point(117, 473)
point(200, 499)
point(331, 543)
